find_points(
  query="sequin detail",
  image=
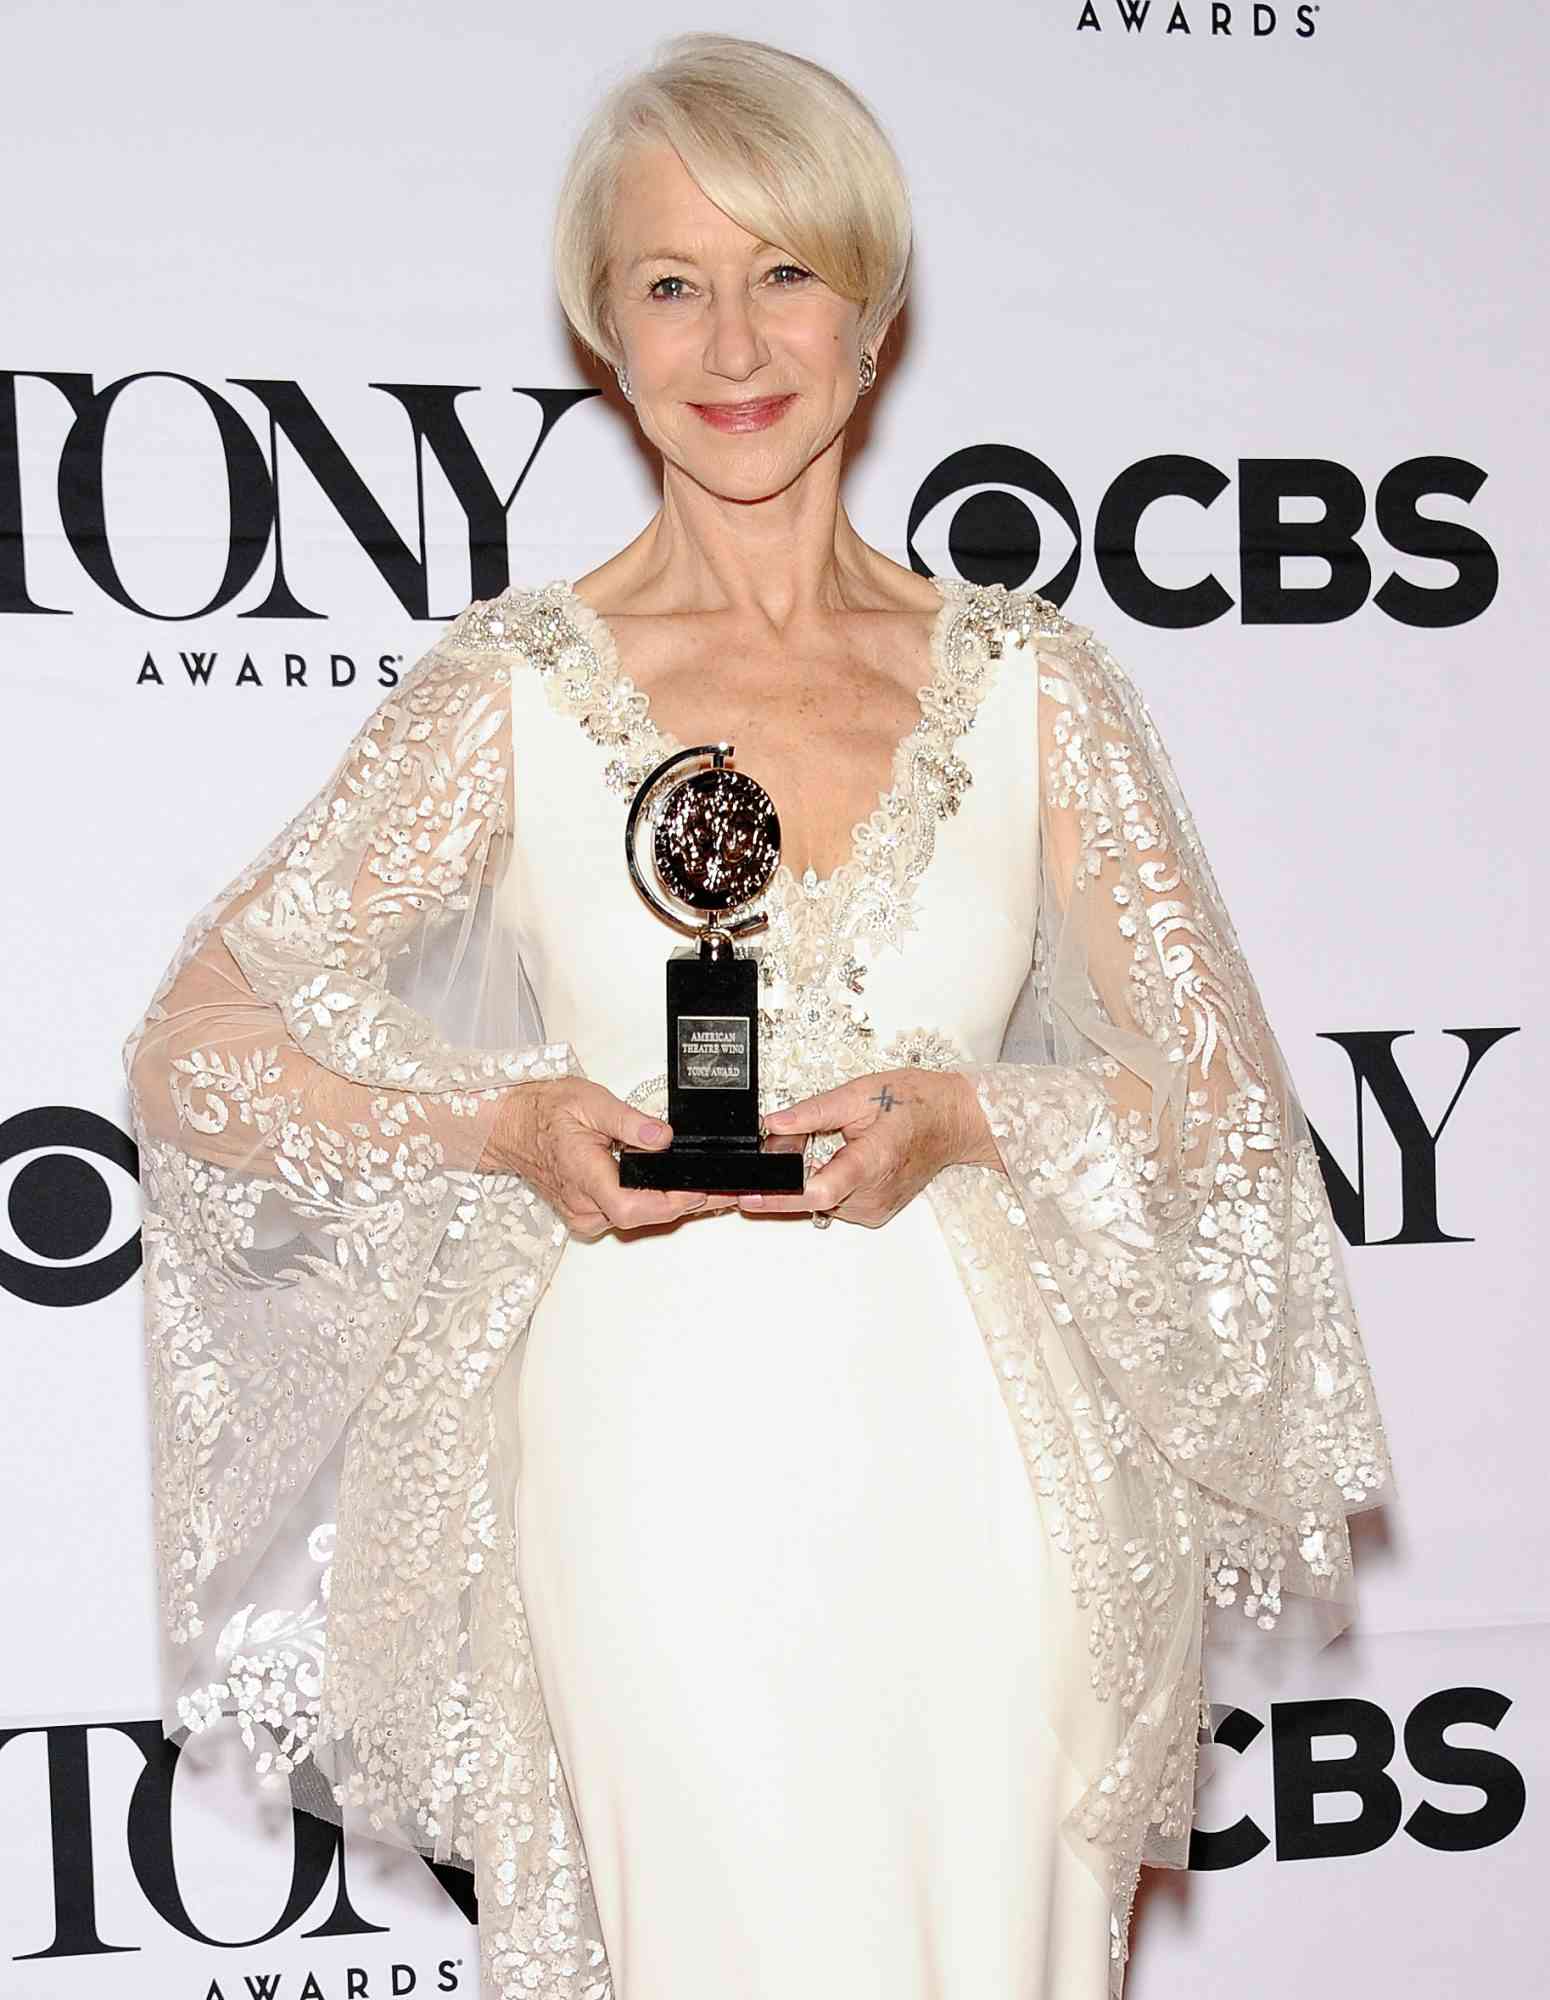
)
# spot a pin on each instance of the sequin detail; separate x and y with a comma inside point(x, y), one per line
point(823, 931)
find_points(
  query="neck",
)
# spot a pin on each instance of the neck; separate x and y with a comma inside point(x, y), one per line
point(775, 561)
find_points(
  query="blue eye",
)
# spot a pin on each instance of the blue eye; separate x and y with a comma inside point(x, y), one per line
point(796, 271)
point(655, 293)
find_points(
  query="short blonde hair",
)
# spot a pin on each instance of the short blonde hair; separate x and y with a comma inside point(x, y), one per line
point(778, 143)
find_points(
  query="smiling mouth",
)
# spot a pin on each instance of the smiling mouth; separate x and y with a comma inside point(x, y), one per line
point(757, 414)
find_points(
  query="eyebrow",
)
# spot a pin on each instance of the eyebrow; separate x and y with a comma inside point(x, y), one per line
point(683, 256)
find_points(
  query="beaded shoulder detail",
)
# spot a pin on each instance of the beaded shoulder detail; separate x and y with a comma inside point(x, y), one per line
point(572, 647)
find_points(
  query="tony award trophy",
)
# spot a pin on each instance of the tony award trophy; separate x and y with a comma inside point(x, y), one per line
point(715, 844)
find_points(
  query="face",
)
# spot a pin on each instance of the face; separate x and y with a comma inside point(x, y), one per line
point(742, 364)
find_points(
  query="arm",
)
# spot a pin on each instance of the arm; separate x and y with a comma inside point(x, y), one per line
point(353, 975)
point(1148, 1119)
point(1157, 1270)
point(343, 1253)
point(318, 1092)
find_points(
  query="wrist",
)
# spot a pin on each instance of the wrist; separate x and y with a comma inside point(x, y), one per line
point(505, 1147)
point(972, 1143)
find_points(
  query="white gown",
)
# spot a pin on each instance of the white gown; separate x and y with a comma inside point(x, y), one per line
point(773, 1499)
point(776, 1540)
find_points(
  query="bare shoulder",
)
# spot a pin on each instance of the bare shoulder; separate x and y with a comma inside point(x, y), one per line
point(618, 586)
point(901, 589)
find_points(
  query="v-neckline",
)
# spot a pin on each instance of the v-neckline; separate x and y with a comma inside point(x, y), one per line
point(623, 695)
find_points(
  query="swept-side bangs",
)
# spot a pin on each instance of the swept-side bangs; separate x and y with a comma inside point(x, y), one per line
point(778, 143)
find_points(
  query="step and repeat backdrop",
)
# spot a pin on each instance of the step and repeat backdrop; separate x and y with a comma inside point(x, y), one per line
point(1226, 335)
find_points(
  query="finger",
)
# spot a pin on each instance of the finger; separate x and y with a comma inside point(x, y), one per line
point(585, 1221)
point(774, 1204)
point(672, 1208)
point(826, 1112)
point(830, 1187)
point(852, 1169)
point(644, 1208)
point(827, 1189)
point(596, 1177)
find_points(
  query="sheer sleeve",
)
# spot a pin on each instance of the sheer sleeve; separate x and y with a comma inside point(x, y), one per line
point(1219, 1423)
point(335, 1267)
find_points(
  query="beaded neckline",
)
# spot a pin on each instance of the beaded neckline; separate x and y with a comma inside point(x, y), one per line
point(824, 933)
point(619, 697)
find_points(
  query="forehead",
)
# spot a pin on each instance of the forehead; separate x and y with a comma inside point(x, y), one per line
point(660, 207)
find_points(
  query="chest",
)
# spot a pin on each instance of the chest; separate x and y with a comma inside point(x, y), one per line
point(822, 734)
point(926, 923)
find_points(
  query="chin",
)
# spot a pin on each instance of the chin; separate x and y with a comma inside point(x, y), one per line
point(749, 468)
point(749, 486)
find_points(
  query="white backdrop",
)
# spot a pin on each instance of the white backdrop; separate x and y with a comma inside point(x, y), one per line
point(1287, 267)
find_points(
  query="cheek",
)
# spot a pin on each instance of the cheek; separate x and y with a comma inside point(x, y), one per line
point(662, 351)
point(825, 349)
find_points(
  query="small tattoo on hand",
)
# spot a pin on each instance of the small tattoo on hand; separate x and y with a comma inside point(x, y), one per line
point(885, 1099)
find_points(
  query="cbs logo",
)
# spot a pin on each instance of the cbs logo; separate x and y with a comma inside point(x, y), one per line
point(992, 513)
point(69, 1206)
point(1300, 1779)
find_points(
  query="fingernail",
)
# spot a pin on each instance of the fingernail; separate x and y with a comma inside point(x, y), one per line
point(653, 1129)
point(753, 1200)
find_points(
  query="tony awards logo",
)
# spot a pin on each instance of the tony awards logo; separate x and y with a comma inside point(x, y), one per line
point(715, 844)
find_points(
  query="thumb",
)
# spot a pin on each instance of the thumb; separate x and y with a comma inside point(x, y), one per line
point(638, 1130)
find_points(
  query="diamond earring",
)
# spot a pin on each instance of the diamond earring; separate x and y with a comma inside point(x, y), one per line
point(868, 373)
point(624, 384)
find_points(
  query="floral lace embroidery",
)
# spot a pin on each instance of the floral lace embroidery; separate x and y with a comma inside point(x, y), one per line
point(387, 1660)
point(1224, 1425)
point(428, 1706)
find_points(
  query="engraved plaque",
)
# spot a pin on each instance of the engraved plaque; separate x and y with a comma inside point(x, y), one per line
point(713, 1051)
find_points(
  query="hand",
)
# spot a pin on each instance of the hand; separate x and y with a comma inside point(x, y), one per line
point(559, 1132)
point(901, 1128)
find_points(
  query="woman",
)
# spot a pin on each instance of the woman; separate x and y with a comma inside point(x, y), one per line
point(756, 1610)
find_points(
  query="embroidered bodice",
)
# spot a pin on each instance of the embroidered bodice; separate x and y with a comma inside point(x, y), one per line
point(831, 958)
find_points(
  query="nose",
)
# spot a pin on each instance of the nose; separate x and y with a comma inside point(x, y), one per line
point(736, 349)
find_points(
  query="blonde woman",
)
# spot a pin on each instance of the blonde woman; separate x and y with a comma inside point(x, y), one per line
point(759, 1609)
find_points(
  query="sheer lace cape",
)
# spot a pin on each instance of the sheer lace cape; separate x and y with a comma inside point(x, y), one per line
point(335, 1290)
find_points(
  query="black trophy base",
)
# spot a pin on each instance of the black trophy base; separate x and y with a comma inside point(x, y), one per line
point(774, 1166)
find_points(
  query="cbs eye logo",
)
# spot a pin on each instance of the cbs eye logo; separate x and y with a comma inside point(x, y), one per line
point(1282, 532)
point(69, 1206)
point(993, 535)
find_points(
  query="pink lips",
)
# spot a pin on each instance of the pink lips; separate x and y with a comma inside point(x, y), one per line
point(752, 416)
